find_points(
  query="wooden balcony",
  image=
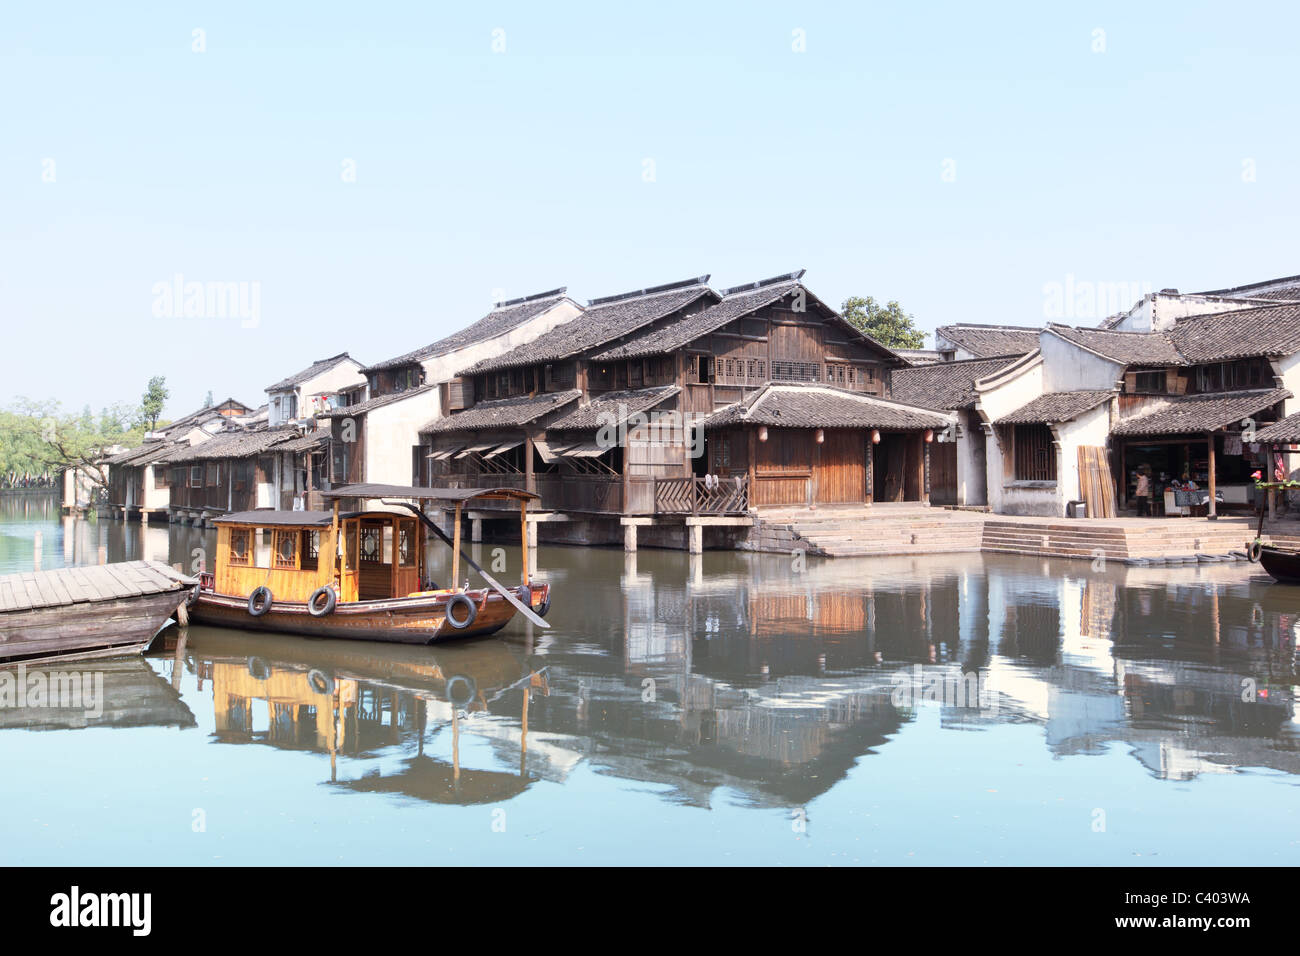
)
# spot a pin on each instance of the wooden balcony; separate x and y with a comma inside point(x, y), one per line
point(699, 496)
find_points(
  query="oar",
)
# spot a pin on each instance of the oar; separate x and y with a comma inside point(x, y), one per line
point(506, 593)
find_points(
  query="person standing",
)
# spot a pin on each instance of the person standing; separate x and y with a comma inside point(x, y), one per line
point(1144, 492)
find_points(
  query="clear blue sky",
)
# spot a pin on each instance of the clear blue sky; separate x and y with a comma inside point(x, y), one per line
point(525, 169)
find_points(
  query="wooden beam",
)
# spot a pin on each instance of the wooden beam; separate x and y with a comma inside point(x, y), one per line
point(523, 538)
point(455, 548)
point(1209, 441)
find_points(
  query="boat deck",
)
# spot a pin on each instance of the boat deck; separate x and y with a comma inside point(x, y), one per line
point(34, 590)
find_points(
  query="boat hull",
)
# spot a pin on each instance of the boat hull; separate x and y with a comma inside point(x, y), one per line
point(1282, 564)
point(86, 630)
point(409, 620)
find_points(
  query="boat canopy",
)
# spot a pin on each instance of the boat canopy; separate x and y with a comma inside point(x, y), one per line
point(279, 519)
point(426, 494)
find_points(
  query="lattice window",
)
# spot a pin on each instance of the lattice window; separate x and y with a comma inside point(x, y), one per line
point(284, 549)
point(796, 371)
point(1035, 453)
point(371, 545)
point(406, 545)
point(241, 547)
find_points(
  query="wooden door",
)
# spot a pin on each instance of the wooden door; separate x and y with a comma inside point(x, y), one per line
point(840, 470)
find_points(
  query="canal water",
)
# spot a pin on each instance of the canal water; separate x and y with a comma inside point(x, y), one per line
point(723, 708)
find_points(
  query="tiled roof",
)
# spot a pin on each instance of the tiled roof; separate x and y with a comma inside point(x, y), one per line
point(1251, 290)
point(1056, 407)
point(1200, 413)
point(1127, 348)
point(379, 401)
point(987, 341)
point(503, 412)
point(919, 356)
point(1270, 330)
point(311, 371)
point(233, 444)
point(144, 454)
point(614, 407)
point(602, 322)
point(1285, 432)
point(944, 385)
point(821, 406)
point(675, 335)
point(502, 319)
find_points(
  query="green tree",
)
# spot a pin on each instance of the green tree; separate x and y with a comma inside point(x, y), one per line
point(151, 405)
point(38, 439)
point(888, 324)
point(210, 400)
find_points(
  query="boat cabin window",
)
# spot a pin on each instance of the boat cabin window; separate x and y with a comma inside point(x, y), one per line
point(241, 547)
point(285, 549)
point(309, 550)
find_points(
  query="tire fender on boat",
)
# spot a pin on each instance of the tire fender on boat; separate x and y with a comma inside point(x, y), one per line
point(260, 601)
point(331, 602)
point(1253, 552)
point(192, 598)
point(319, 681)
point(471, 610)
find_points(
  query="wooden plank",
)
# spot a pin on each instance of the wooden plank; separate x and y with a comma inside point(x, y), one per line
point(121, 576)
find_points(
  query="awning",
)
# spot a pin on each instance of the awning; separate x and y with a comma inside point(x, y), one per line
point(586, 449)
point(476, 449)
point(550, 453)
point(444, 453)
point(506, 447)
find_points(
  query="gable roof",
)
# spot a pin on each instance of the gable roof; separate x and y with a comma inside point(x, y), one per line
point(944, 385)
point(1268, 288)
point(1054, 407)
point(504, 317)
point(1200, 413)
point(141, 455)
point(503, 412)
point(233, 444)
point(1285, 432)
point(822, 406)
point(310, 372)
point(736, 303)
point(614, 408)
point(379, 401)
point(1126, 348)
point(603, 321)
point(988, 341)
point(1268, 330)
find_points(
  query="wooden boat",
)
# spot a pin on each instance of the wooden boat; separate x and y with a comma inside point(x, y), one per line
point(1282, 564)
point(358, 574)
point(98, 611)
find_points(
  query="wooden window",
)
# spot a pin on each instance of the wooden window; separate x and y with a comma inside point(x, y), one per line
point(241, 547)
point(1035, 453)
point(796, 371)
point(1149, 382)
point(196, 476)
point(284, 549)
point(406, 544)
point(214, 475)
point(635, 374)
point(159, 477)
point(309, 551)
point(371, 545)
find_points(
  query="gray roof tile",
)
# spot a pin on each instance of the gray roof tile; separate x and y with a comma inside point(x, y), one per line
point(1199, 413)
point(1056, 407)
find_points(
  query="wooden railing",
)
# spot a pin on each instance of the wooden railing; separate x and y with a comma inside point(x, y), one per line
point(700, 496)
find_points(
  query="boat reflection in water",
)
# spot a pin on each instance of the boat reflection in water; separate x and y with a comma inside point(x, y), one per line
point(773, 687)
point(354, 699)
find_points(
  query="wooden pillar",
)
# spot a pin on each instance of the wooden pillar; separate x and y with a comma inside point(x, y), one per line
point(523, 536)
point(1209, 441)
point(530, 480)
point(871, 469)
point(455, 548)
point(925, 470)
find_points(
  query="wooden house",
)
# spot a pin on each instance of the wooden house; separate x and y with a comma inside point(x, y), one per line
point(303, 394)
point(139, 478)
point(372, 435)
point(619, 414)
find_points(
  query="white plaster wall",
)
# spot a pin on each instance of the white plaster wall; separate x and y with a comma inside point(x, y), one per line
point(443, 368)
point(155, 499)
point(1090, 428)
point(1290, 369)
point(346, 373)
point(972, 477)
point(1069, 368)
point(391, 431)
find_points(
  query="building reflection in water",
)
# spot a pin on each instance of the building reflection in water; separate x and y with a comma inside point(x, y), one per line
point(731, 673)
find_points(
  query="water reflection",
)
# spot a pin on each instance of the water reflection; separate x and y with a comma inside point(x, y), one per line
point(738, 674)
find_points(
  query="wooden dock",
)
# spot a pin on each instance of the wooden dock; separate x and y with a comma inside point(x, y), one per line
point(98, 611)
